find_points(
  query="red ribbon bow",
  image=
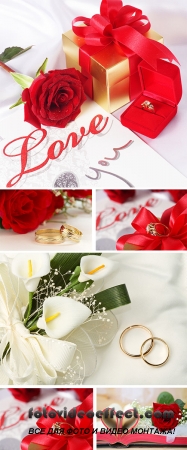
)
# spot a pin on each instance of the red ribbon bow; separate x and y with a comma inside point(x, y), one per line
point(172, 227)
point(63, 441)
point(124, 25)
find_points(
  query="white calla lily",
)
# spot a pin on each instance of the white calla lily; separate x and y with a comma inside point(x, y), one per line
point(30, 267)
point(61, 315)
point(95, 267)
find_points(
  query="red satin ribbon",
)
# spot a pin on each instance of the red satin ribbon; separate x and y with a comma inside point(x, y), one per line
point(63, 442)
point(174, 218)
point(124, 25)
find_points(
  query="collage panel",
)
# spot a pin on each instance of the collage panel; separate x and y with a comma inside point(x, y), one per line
point(38, 418)
point(93, 225)
point(37, 220)
point(141, 220)
point(93, 319)
point(141, 417)
point(103, 107)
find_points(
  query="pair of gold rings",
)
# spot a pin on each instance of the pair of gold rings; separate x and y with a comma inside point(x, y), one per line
point(148, 106)
point(143, 353)
point(54, 236)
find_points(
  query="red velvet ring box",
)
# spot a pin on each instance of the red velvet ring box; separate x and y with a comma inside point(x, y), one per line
point(163, 89)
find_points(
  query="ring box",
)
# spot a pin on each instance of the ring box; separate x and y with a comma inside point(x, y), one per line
point(163, 89)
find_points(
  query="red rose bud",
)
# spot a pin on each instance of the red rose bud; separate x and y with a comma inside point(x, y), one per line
point(54, 98)
point(166, 417)
point(24, 395)
point(120, 195)
point(24, 210)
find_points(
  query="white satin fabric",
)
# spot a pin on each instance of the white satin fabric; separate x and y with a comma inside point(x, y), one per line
point(157, 285)
point(30, 22)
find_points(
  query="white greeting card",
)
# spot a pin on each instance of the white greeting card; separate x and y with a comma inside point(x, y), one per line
point(113, 219)
point(93, 151)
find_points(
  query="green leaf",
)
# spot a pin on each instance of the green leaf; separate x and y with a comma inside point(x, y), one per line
point(180, 403)
point(11, 52)
point(165, 398)
point(23, 80)
point(113, 297)
point(19, 102)
point(42, 67)
point(1, 223)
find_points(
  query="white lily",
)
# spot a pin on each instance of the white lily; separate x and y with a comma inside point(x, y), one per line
point(30, 267)
point(33, 359)
point(95, 267)
point(61, 315)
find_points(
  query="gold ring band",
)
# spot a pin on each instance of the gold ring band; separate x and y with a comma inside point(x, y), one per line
point(48, 236)
point(151, 229)
point(143, 354)
point(128, 329)
point(148, 106)
point(70, 232)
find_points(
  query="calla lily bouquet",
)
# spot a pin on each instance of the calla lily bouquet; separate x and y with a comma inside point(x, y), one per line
point(53, 315)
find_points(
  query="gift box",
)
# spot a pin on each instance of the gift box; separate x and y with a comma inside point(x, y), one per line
point(162, 90)
point(112, 77)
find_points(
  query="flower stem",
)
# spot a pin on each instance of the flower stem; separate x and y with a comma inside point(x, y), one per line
point(33, 321)
point(68, 287)
point(29, 307)
point(5, 67)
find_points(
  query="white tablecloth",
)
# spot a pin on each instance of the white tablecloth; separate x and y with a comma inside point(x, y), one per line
point(27, 22)
point(157, 286)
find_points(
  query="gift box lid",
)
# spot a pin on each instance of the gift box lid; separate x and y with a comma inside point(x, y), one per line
point(163, 84)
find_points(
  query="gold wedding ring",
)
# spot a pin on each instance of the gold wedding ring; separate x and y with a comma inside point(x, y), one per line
point(48, 236)
point(54, 236)
point(128, 329)
point(148, 106)
point(151, 229)
point(69, 232)
point(143, 354)
point(57, 426)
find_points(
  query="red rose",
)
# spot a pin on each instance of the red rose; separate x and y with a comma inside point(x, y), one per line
point(120, 195)
point(79, 193)
point(54, 99)
point(24, 395)
point(166, 423)
point(24, 210)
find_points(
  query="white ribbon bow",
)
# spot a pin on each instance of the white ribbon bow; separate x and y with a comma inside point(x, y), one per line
point(33, 359)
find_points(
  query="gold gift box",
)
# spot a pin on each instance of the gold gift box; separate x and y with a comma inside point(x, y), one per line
point(109, 69)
